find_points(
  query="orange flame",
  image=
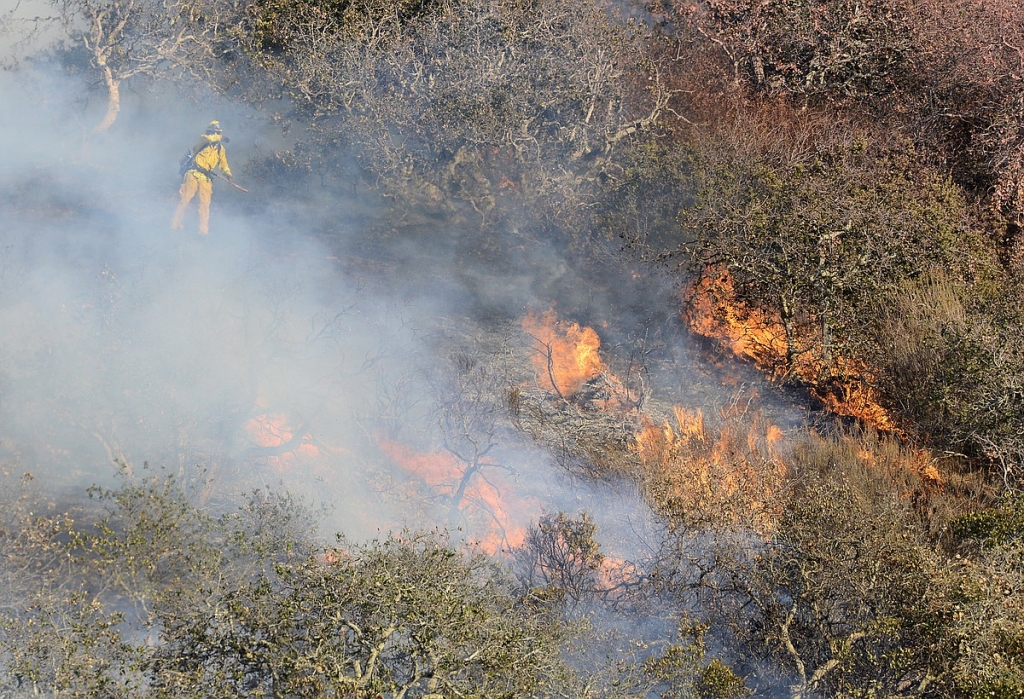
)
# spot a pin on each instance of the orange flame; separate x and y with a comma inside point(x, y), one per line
point(899, 459)
point(271, 431)
point(568, 355)
point(654, 444)
point(845, 390)
point(714, 312)
point(843, 386)
point(924, 464)
point(660, 445)
point(728, 477)
point(489, 504)
point(690, 423)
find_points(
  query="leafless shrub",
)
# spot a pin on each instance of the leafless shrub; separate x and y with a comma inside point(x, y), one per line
point(472, 106)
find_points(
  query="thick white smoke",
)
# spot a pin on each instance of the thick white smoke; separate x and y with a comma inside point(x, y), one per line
point(125, 340)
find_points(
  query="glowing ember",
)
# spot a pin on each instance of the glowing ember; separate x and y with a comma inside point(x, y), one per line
point(567, 354)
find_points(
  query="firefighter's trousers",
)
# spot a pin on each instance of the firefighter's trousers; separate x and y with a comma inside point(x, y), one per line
point(192, 183)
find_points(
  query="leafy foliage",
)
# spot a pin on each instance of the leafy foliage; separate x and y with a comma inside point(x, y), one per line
point(817, 225)
point(561, 556)
point(156, 597)
point(396, 617)
point(814, 595)
point(996, 526)
point(952, 365)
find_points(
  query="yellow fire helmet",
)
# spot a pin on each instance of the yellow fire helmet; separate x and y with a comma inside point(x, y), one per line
point(214, 127)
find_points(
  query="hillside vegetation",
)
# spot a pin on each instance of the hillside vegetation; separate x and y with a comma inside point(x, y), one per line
point(845, 180)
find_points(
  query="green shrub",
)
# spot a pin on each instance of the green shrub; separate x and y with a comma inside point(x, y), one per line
point(994, 526)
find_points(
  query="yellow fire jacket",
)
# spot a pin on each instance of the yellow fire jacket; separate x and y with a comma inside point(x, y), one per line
point(209, 155)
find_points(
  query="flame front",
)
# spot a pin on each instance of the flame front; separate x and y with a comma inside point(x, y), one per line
point(731, 476)
point(843, 386)
point(715, 312)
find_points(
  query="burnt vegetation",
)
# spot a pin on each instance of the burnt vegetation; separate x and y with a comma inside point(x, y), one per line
point(846, 179)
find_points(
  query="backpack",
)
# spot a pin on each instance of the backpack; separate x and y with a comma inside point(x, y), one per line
point(185, 163)
point(188, 161)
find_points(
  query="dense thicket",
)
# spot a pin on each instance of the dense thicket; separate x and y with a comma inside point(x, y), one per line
point(838, 120)
point(830, 155)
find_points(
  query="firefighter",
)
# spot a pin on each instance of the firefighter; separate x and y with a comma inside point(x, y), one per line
point(208, 156)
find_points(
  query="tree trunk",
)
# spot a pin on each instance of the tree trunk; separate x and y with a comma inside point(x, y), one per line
point(113, 100)
point(786, 313)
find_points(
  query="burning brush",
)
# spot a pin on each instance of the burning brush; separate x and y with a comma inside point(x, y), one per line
point(568, 363)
